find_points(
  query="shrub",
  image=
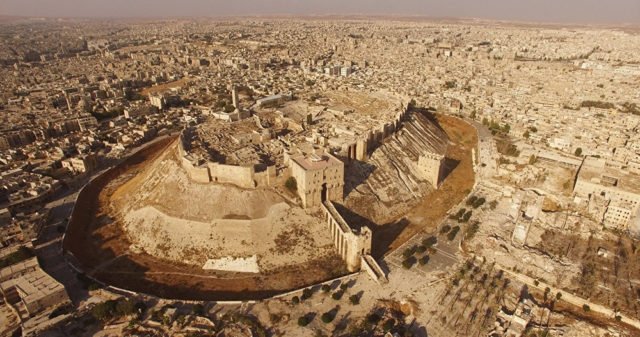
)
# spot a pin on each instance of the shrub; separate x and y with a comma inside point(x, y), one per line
point(410, 251)
point(472, 199)
point(327, 317)
point(409, 262)
point(472, 230)
point(104, 311)
point(479, 202)
point(291, 184)
point(466, 216)
point(430, 241)
point(295, 300)
point(586, 307)
point(337, 295)
point(303, 321)
point(618, 318)
point(578, 152)
point(125, 308)
point(445, 229)
point(306, 293)
point(354, 299)
point(453, 233)
point(424, 260)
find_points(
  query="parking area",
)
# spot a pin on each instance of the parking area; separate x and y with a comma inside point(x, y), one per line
point(440, 256)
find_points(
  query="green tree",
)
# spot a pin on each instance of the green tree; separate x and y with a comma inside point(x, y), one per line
point(424, 260)
point(337, 295)
point(578, 152)
point(125, 308)
point(430, 241)
point(304, 321)
point(291, 184)
point(327, 317)
point(409, 262)
point(453, 233)
point(104, 311)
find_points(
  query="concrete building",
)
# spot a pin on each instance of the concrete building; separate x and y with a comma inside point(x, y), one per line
point(29, 289)
point(319, 177)
point(620, 187)
point(273, 100)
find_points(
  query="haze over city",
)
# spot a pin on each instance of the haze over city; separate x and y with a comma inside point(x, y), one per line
point(565, 11)
point(365, 168)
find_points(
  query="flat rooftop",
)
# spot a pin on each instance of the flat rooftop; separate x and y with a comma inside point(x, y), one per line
point(314, 162)
point(32, 284)
point(595, 170)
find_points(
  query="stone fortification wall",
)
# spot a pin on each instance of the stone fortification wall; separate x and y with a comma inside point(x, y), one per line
point(350, 244)
point(359, 149)
point(241, 176)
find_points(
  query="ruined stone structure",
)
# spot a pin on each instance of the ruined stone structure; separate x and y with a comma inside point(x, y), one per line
point(617, 188)
point(351, 244)
point(319, 177)
point(212, 172)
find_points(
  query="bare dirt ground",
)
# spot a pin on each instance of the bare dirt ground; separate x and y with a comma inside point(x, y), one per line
point(102, 249)
point(434, 207)
point(168, 215)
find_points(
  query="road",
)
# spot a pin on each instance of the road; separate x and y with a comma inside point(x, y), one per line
point(570, 298)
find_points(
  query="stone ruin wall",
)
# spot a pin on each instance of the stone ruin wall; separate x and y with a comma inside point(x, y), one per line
point(368, 143)
point(241, 176)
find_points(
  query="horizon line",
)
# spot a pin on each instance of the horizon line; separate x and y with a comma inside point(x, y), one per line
point(391, 17)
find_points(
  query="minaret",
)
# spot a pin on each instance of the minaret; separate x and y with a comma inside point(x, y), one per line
point(234, 97)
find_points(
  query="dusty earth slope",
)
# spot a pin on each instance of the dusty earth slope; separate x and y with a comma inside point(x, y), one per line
point(388, 184)
point(167, 215)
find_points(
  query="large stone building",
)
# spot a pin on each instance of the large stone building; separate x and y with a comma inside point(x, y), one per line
point(29, 289)
point(319, 177)
point(620, 188)
point(431, 168)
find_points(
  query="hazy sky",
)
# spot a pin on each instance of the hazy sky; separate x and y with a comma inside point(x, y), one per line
point(577, 11)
